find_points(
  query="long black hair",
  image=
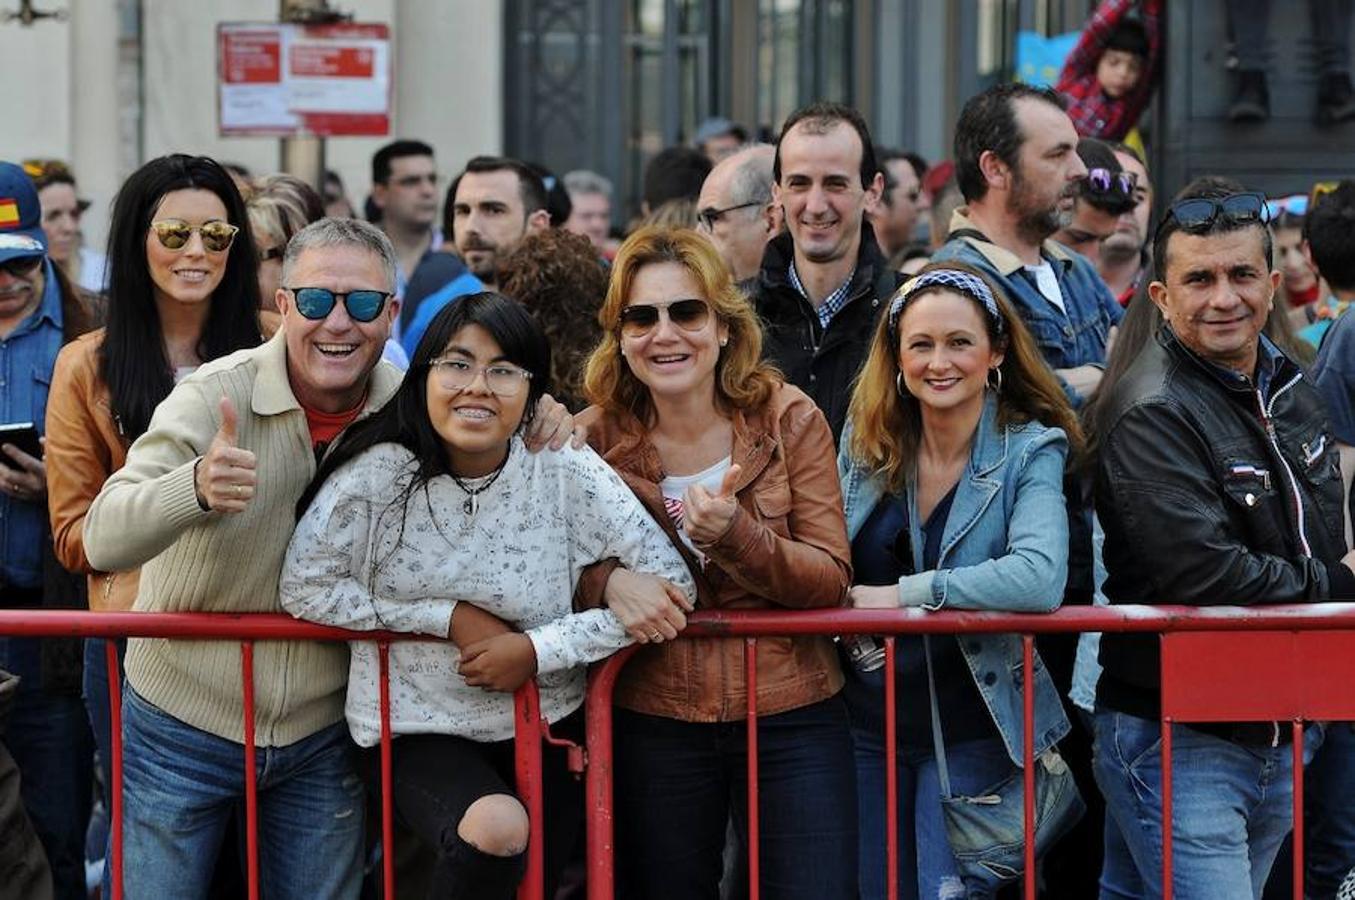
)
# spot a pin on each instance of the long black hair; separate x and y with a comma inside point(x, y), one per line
point(132, 361)
point(404, 420)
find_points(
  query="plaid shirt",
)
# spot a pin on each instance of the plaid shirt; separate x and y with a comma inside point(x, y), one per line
point(1093, 113)
point(832, 304)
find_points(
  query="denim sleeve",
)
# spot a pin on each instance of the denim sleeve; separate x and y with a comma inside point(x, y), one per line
point(1031, 574)
point(1334, 376)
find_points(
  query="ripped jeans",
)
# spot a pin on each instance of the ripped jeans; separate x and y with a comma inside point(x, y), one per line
point(181, 784)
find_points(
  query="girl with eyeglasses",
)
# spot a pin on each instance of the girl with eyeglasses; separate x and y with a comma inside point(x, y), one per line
point(431, 517)
point(737, 467)
point(182, 290)
point(952, 473)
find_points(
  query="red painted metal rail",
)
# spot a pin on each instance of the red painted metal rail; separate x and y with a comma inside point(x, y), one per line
point(1305, 679)
point(1303, 674)
point(248, 629)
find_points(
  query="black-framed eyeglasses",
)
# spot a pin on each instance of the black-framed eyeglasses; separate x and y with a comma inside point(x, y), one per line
point(318, 303)
point(639, 319)
point(1104, 181)
point(502, 379)
point(21, 266)
point(710, 215)
point(1201, 212)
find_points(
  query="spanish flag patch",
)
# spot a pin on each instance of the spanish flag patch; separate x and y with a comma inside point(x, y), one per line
point(9, 212)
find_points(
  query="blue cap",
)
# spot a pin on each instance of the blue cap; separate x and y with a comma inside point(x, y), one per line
point(21, 231)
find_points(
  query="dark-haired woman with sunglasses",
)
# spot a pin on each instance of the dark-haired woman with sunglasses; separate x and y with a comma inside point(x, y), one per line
point(431, 511)
point(738, 468)
point(952, 472)
point(181, 291)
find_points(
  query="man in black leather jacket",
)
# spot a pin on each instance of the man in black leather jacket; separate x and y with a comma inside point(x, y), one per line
point(1217, 483)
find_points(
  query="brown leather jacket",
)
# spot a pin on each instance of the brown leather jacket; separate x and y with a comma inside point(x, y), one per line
point(84, 447)
point(786, 548)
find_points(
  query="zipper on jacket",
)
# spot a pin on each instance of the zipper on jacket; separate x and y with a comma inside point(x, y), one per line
point(1265, 409)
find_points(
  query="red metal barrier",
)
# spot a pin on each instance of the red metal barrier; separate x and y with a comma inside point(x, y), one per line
point(531, 730)
point(1310, 673)
point(1296, 666)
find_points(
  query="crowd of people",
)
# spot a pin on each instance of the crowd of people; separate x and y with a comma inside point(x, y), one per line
point(813, 373)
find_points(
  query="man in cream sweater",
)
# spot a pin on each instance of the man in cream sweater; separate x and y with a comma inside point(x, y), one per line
point(205, 504)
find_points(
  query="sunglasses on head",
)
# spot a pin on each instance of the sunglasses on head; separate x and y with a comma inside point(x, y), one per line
point(174, 234)
point(1201, 212)
point(1104, 181)
point(641, 318)
point(21, 266)
point(318, 303)
point(1295, 205)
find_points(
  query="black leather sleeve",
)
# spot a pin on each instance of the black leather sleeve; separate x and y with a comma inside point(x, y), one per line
point(1172, 530)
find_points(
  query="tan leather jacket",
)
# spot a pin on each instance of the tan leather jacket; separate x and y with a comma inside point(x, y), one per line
point(786, 548)
point(84, 447)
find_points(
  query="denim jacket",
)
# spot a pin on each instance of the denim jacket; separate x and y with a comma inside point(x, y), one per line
point(1067, 340)
point(1005, 547)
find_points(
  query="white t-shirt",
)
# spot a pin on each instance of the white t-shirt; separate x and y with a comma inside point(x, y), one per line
point(674, 487)
point(1048, 283)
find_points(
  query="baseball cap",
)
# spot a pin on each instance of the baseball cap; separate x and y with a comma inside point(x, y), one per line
point(20, 215)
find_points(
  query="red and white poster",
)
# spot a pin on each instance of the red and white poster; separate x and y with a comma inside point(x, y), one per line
point(282, 80)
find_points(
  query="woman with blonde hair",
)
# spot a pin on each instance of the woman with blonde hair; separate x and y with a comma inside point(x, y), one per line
point(952, 471)
point(737, 468)
point(279, 206)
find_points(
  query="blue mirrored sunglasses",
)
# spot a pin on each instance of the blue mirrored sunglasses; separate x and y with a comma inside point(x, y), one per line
point(318, 303)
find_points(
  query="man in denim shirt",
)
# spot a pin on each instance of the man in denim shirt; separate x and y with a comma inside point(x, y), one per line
point(47, 735)
point(1017, 166)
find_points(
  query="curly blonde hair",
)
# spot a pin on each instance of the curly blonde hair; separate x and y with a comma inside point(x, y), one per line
point(742, 379)
point(886, 425)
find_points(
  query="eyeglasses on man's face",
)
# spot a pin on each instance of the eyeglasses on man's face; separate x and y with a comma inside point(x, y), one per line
point(361, 306)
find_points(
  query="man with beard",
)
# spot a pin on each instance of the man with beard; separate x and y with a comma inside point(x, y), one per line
point(1017, 166)
point(496, 202)
point(1124, 255)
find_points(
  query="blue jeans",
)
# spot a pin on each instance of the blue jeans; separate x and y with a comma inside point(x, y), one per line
point(677, 783)
point(1232, 806)
point(49, 739)
point(927, 866)
point(1329, 811)
point(181, 785)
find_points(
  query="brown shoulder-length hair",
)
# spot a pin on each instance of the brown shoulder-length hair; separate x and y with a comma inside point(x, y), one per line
point(742, 379)
point(886, 424)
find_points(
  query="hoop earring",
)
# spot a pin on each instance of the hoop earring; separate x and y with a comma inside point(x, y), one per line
point(995, 383)
point(898, 384)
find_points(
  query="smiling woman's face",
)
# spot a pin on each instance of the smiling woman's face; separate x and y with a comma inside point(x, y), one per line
point(475, 423)
point(944, 350)
point(191, 273)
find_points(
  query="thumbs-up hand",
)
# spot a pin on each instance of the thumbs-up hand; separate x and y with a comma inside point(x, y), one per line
point(707, 516)
point(224, 477)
